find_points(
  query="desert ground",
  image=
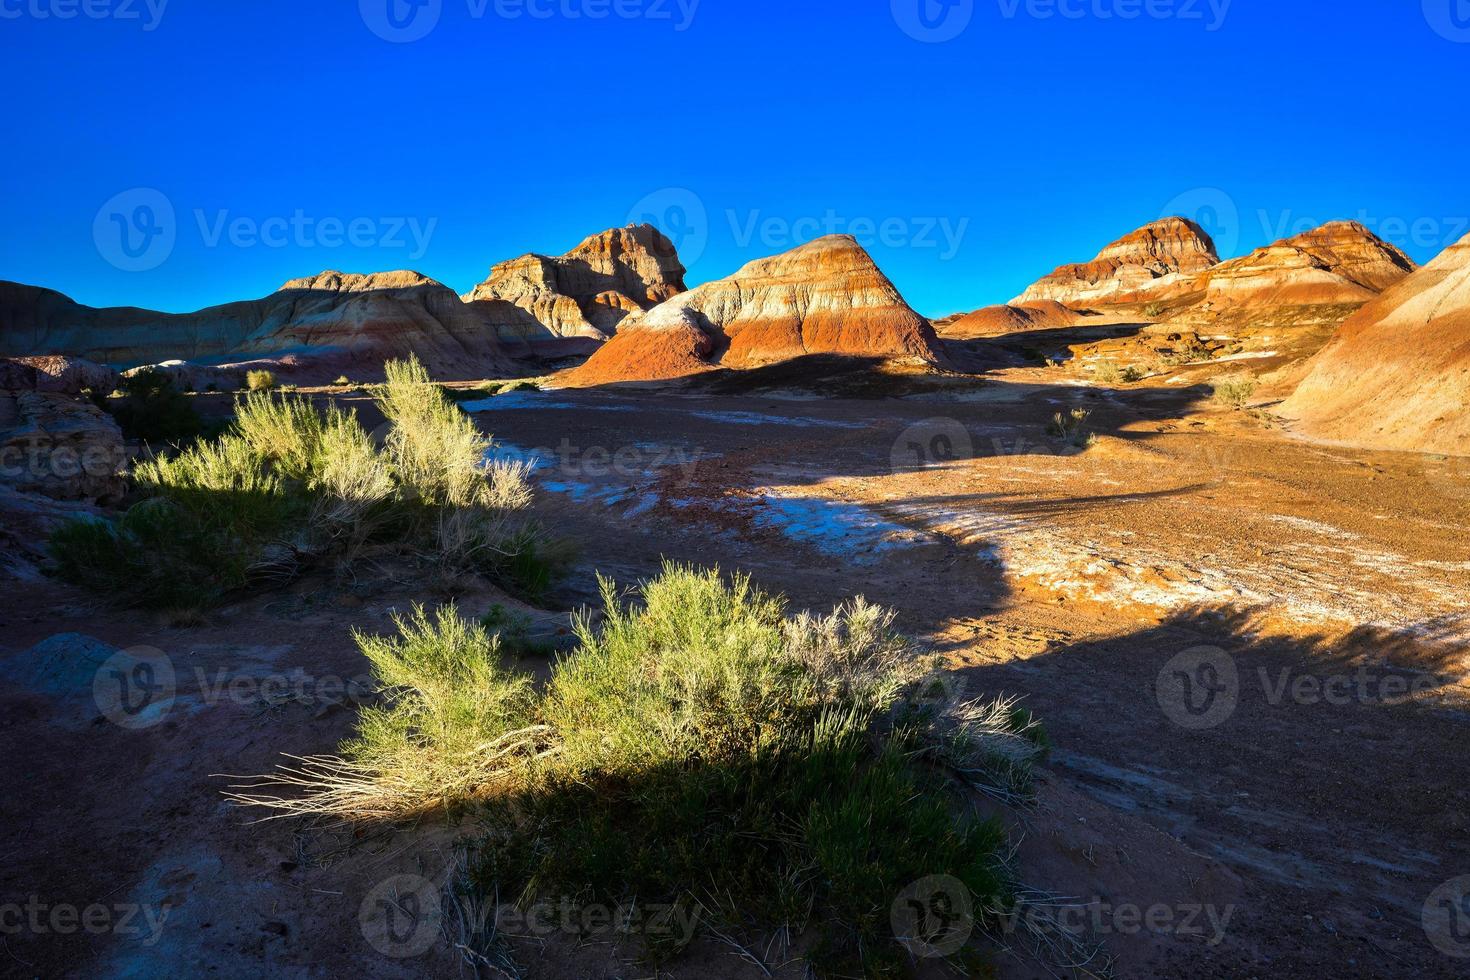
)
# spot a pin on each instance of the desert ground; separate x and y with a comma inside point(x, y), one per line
point(1248, 651)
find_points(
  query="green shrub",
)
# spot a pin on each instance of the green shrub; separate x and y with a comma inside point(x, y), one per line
point(260, 380)
point(290, 485)
point(700, 749)
point(1071, 427)
point(1234, 391)
point(152, 409)
point(1154, 310)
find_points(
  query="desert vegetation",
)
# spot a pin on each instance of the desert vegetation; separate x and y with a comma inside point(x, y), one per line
point(1234, 391)
point(261, 380)
point(700, 747)
point(151, 408)
point(290, 486)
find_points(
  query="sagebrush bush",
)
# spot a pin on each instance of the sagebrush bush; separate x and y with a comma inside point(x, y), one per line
point(1107, 373)
point(1071, 427)
point(290, 485)
point(1234, 391)
point(260, 380)
point(698, 747)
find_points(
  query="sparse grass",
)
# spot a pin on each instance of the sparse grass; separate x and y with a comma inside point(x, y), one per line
point(342, 379)
point(290, 486)
point(1154, 310)
point(1107, 372)
point(490, 389)
point(1071, 427)
point(701, 749)
point(1133, 373)
point(260, 380)
point(1234, 391)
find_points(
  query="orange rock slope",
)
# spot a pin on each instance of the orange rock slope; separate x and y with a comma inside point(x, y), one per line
point(825, 297)
point(1340, 262)
point(1397, 373)
point(992, 321)
point(1158, 261)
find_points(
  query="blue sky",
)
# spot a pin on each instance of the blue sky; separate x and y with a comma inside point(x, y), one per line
point(972, 144)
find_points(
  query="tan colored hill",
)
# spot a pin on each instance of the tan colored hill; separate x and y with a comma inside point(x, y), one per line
point(585, 293)
point(1158, 261)
point(825, 297)
point(1397, 374)
point(992, 321)
point(330, 322)
point(1340, 262)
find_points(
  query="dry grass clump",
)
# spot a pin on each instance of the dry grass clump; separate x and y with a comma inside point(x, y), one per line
point(260, 380)
point(290, 485)
point(700, 749)
point(1234, 391)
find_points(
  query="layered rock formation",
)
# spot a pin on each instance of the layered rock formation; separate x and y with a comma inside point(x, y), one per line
point(583, 294)
point(71, 375)
point(1340, 262)
point(1397, 373)
point(59, 446)
point(825, 297)
point(992, 321)
point(317, 325)
point(1158, 261)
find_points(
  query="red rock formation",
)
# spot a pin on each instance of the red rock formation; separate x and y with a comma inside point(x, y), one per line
point(585, 293)
point(824, 297)
point(1397, 373)
point(1158, 261)
point(992, 321)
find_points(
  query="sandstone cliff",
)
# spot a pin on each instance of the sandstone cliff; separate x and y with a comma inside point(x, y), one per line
point(585, 293)
point(991, 321)
point(1340, 262)
point(826, 296)
point(1158, 261)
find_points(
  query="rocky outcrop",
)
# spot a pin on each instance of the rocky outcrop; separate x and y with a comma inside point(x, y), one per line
point(825, 297)
point(585, 293)
point(71, 375)
point(59, 446)
point(1340, 262)
point(1397, 373)
point(1158, 261)
point(992, 321)
point(324, 324)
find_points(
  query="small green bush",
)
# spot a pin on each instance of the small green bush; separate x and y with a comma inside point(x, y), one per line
point(261, 380)
point(1234, 391)
point(152, 409)
point(1107, 373)
point(1071, 427)
point(291, 485)
point(1154, 310)
point(699, 748)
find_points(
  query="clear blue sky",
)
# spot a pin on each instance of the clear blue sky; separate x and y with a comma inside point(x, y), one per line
point(972, 165)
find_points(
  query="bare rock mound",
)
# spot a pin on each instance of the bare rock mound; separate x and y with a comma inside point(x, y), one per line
point(1158, 261)
point(1397, 373)
point(825, 297)
point(994, 321)
point(1340, 262)
point(583, 294)
point(326, 323)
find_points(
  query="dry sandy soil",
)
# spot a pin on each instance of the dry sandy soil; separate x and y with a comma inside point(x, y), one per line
point(1249, 652)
